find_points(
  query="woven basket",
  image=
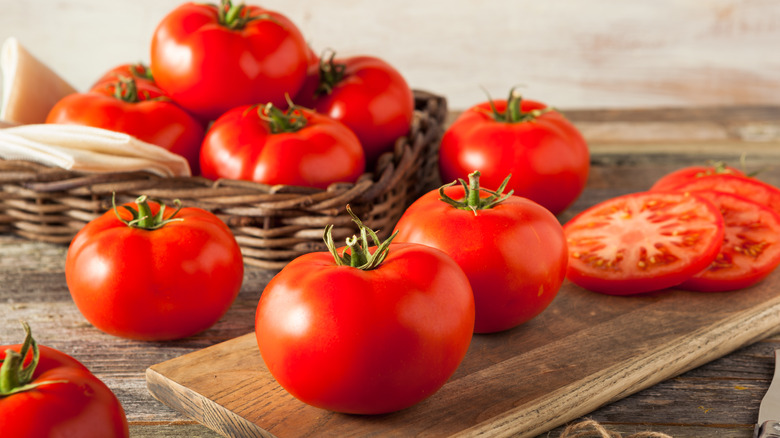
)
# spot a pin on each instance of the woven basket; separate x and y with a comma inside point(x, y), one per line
point(272, 224)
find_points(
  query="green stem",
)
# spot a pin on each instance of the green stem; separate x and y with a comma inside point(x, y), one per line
point(514, 111)
point(142, 217)
point(292, 120)
point(359, 256)
point(234, 17)
point(14, 376)
point(472, 199)
point(331, 73)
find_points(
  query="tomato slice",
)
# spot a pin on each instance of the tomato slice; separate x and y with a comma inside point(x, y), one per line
point(750, 249)
point(642, 242)
point(751, 188)
point(686, 174)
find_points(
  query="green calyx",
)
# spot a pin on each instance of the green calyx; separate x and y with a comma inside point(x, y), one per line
point(143, 218)
point(514, 112)
point(331, 73)
point(357, 253)
point(140, 70)
point(471, 200)
point(280, 121)
point(14, 376)
point(234, 17)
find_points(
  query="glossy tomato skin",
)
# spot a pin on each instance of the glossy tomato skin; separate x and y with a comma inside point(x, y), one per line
point(514, 253)
point(750, 249)
point(81, 405)
point(156, 121)
point(751, 188)
point(162, 284)
point(209, 68)
point(372, 98)
point(691, 173)
point(366, 342)
point(547, 157)
point(642, 242)
point(241, 145)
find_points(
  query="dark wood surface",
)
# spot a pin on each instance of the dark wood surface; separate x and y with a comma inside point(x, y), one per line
point(630, 150)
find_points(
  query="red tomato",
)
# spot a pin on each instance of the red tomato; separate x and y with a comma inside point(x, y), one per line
point(545, 154)
point(365, 93)
point(142, 75)
point(374, 336)
point(513, 251)
point(751, 188)
point(120, 107)
point(642, 242)
point(211, 58)
point(750, 250)
point(266, 145)
point(155, 278)
point(690, 173)
point(54, 395)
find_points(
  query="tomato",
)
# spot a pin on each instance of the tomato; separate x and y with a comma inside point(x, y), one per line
point(642, 242)
point(690, 173)
point(512, 249)
point(149, 275)
point(545, 154)
point(750, 250)
point(211, 58)
point(46, 393)
point(365, 93)
point(751, 188)
point(148, 117)
point(366, 330)
point(140, 73)
point(271, 146)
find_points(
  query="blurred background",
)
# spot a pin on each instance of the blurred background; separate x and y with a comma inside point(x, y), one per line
point(567, 53)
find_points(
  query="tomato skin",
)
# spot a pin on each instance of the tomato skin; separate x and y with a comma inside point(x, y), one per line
point(140, 73)
point(161, 284)
point(241, 145)
point(366, 342)
point(82, 406)
point(750, 249)
point(372, 98)
point(159, 122)
point(751, 188)
point(209, 68)
point(642, 242)
point(690, 173)
point(514, 253)
point(547, 157)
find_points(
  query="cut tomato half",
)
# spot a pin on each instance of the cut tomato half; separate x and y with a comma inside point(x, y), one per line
point(750, 188)
point(750, 249)
point(642, 242)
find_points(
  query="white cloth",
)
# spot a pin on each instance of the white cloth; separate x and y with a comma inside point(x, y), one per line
point(85, 148)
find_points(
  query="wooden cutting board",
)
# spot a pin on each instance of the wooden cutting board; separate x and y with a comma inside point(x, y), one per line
point(586, 350)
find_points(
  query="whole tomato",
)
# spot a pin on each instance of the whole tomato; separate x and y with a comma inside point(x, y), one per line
point(211, 58)
point(143, 113)
point(139, 72)
point(546, 155)
point(140, 273)
point(512, 249)
point(365, 93)
point(365, 332)
point(46, 393)
point(271, 146)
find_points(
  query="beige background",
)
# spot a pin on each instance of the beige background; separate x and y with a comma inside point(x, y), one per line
point(569, 53)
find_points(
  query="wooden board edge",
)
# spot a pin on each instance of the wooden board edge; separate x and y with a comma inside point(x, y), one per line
point(199, 408)
point(628, 377)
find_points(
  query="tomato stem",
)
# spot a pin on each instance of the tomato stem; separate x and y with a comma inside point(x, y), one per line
point(234, 17)
point(359, 256)
point(143, 217)
point(14, 376)
point(331, 73)
point(292, 120)
point(472, 199)
point(514, 112)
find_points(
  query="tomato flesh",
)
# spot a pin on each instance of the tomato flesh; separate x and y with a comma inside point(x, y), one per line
point(642, 242)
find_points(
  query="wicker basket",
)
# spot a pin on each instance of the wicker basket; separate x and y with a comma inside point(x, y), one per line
point(272, 224)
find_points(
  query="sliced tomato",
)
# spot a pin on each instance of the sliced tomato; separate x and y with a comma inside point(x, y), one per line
point(642, 242)
point(686, 174)
point(751, 188)
point(750, 249)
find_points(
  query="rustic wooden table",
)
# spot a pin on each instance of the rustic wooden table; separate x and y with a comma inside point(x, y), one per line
point(629, 150)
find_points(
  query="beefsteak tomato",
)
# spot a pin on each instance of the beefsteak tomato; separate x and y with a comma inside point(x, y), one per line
point(365, 93)
point(751, 246)
point(512, 249)
point(545, 153)
point(642, 242)
point(120, 106)
point(138, 273)
point(46, 393)
point(211, 58)
point(271, 146)
point(365, 332)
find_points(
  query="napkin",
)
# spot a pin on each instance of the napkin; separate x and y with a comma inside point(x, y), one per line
point(84, 148)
